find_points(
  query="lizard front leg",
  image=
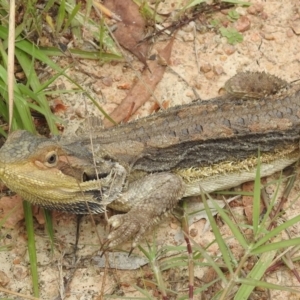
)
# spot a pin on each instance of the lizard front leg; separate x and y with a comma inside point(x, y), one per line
point(147, 200)
point(113, 184)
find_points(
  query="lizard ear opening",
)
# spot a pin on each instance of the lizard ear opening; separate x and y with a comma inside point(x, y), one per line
point(51, 159)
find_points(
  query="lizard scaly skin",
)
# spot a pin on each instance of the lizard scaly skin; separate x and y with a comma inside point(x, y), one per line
point(145, 167)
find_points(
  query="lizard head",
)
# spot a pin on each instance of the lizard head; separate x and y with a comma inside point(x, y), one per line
point(46, 173)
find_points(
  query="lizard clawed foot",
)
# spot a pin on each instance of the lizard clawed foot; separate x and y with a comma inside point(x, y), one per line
point(127, 226)
point(124, 228)
point(152, 197)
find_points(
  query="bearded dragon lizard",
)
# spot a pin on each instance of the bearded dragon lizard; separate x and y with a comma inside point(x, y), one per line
point(146, 166)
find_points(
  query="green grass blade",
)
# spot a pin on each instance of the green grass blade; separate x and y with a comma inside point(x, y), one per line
point(4, 5)
point(193, 3)
point(3, 55)
point(93, 100)
point(71, 17)
point(49, 4)
point(31, 247)
point(276, 231)
point(243, 3)
point(89, 5)
point(93, 28)
point(256, 273)
point(263, 224)
point(76, 27)
point(25, 62)
point(103, 57)
point(222, 245)
point(33, 51)
point(2, 132)
point(233, 227)
point(143, 292)
point(276, 246)
point(51, 80)
point(256, 198)
point(267, 285)
point(61, 15)
point(49, 227)
point(21, 110)
point(102, 30)
point(210, 261)
point(147, 11)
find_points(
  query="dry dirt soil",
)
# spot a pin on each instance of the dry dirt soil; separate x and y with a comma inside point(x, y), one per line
point(201, 62)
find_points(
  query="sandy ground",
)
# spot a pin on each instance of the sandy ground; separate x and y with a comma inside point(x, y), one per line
point(205, 61)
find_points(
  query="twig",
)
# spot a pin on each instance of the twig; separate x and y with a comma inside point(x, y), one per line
point(11, 61)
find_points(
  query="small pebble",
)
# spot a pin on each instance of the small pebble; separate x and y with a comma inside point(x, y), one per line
point(243, 24)
point(107, 81)
point(117, 77)
point(193, 232)
point(190, 94)
point(264, 16)
point(255, 37)
point(80, 112)
point(197, 83)
point(251, 10)
point(188, 37)
point(189, 27)
point(270, 189)
point(228, 49)
point(17, 261)
point(205, 68)
point(4, 280)
point(97, 87)
point(209, 75)
point(289, 33)
point(268, 36)
point(124, 86)
point(20, 75)
point(241, 11)
point(259, 7)
point(296, 27)
point(174, 225)
point(218, 70)
point(20, 272)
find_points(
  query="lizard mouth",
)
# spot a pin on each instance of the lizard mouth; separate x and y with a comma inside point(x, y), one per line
point(91, 177)
point(80, 173)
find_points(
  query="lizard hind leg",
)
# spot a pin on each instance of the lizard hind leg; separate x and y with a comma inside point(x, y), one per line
point(147, 200)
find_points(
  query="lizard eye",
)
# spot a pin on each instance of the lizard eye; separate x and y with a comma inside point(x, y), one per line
point(51, 159)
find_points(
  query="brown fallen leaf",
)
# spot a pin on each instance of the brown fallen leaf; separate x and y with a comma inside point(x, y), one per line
point(142, 90)
point(11, 209)
point(38, 214)
point(58, 106)
point(124, 86)
point(131, 30)
point(156, 107)
point(106, 11)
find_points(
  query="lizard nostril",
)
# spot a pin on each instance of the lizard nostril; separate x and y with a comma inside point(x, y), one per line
point(84, 177)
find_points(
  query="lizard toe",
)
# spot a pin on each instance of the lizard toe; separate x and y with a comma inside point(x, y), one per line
point(125, 227)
